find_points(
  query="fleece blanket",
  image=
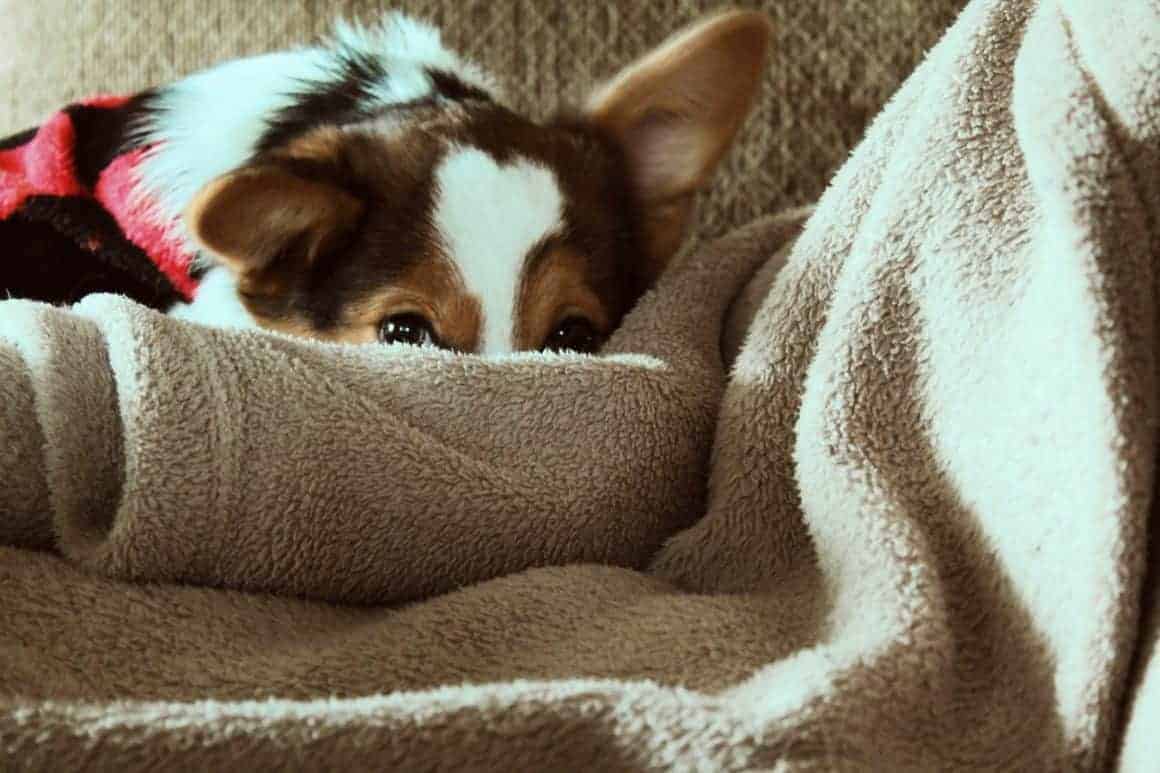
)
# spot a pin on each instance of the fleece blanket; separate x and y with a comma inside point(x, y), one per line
point(911, 527)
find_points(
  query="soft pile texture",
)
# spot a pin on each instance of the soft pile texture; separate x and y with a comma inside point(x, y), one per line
point(925, 535)
point(173, 452)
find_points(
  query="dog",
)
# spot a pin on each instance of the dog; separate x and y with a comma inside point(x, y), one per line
point(376, 187)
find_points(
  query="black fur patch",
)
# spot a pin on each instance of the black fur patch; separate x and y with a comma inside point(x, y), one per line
point(450, 87)
point(339, 101)
point(346, 99)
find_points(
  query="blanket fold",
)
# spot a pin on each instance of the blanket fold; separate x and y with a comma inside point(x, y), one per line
point(912, 528)
point(311, 467)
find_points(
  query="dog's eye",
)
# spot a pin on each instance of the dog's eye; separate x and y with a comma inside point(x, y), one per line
point(574, 334)
point(407, 329)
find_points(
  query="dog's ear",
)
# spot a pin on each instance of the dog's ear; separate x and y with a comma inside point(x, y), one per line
point(257, 216)
point(674, 114)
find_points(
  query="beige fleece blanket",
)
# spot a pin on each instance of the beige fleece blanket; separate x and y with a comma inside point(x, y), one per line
point(909, 531)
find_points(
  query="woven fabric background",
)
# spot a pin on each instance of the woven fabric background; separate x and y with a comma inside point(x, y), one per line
point(834, 63)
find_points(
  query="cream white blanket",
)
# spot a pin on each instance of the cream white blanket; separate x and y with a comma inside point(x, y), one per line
point(910, 530)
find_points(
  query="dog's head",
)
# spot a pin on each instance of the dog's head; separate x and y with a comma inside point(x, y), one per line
point(451, 220)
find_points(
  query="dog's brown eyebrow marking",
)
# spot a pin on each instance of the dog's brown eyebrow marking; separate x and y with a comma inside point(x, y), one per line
point(554, 285)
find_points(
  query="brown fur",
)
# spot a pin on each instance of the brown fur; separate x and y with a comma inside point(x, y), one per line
point(433, 291)
point(251, 217)
point(676, 112)
point(555, 288)
point(330, 233)
point(394, 262)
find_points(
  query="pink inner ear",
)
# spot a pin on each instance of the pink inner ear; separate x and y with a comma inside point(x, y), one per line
point(667, 151)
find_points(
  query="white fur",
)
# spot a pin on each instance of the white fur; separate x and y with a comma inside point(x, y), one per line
point(408, 47)
point(217, 303)
point(489, 217)
point(210, 122)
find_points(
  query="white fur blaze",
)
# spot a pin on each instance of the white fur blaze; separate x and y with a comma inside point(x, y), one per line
point(489, 217)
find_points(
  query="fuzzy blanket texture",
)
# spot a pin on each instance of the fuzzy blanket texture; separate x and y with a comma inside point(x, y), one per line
point(891, 508)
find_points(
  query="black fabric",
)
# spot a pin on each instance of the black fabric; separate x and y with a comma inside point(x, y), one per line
point(103, 133)
point(18, 139)
point(59, 249)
